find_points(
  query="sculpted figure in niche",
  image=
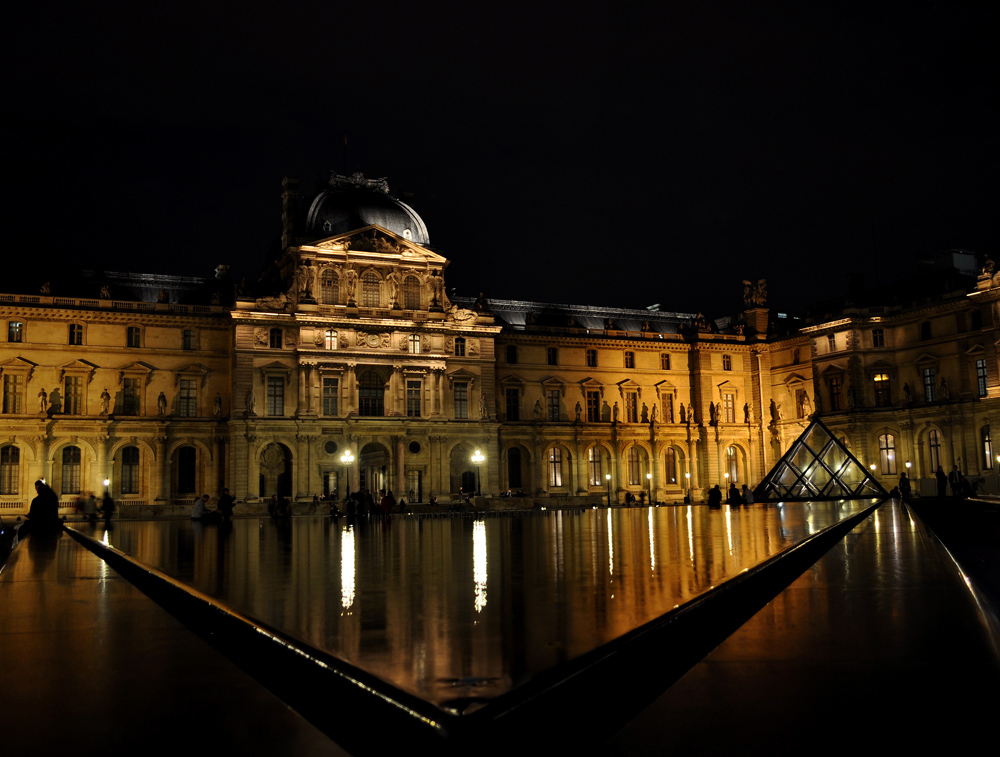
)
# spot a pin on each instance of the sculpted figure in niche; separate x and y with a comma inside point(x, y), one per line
point(305, 276)
point(43, 401)
point(350, 284)
point(644, 417)
point(579, 411)
point(392, 281)
point(538, 410)
point(217, 405)
point(746, 412)
point(712, 418)
point(807, 408)
point(484, 413)
point(251, 403)
point(653, 415)
point(683, 415)
point(435, 285)
point(105, 402)
point(161, 404)
point(907, 395)
point(775, 414)
point(614, 412)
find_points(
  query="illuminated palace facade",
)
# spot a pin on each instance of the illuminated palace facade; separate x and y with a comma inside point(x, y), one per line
point(349, 344)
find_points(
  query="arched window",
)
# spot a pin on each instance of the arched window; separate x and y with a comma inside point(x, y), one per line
point(10, 470)
point(130, 470)
point(330, 339)
point(987, 449)
point(411, 293)
point(887, 454)
point(70, 470)
point(934, 442)
point(329, 288)
point(670, 462)
point(732, 466)
point(555, 467)
point(371, 394)
point(369, 289)
point(634, 467)
point(460, 346)
point(594, 465)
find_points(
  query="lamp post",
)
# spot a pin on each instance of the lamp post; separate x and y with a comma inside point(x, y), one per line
point(649, 486)
point(607, 477)
point(478, 458)
point(687, 481)
point(347, 458)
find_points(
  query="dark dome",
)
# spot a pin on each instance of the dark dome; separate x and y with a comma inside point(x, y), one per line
point(355, 202)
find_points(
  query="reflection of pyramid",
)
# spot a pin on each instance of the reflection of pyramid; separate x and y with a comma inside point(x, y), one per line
point(817, 466)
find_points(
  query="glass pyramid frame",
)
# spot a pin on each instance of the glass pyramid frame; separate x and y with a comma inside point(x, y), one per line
point(816, 467)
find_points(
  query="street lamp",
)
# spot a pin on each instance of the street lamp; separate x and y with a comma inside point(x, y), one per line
point(478, 458)
point(347, 458)
point(649, 486)
point(687, 477)
point(607, 477)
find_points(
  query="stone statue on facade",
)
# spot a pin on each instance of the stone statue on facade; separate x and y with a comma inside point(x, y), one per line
point(652, 416)
point(754, 293)
point(105, 292)
point(806, 405)
point(713, 417)
point(943, 392)
point(251, 403)
point(392, 281)
point(43, 401)
point(305, 276)
point(484, 412)
point(350, 285)
point(435, 286)
point(161, 404)
point(161, 296)
point(683, 415)
point(775, 413)
point(538, 410)
point(217, 406)
point(746, 412)
point(907, 394)
point(614, 412)
point(850, 398)
point(579, 411)
point(105, 402)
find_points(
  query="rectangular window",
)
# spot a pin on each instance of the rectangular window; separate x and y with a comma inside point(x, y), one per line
point(130, 470)
point(878, 338)
point(461, 400)
point(630, 360)
point(275, 395)
point(75, 333)
point(460, 346)
point(930, 385)
point(414, 344)
point(330, 339)
point(187, 399)
point(511, 354)
point(729, 408)
point(981, 377)
point(634, 472)
point(727, 363)
point(13, 394)
point(591, 358)
point(555, 467)
point(70, 471)
point(832, 340)
point(552, 356)
point(10, 470)
point(15, 331)
point(413, 399)
point(331, 392)
point(668, 408)
point(73, 395)
point(275, 336)
point(552, 403)
point(835, 388)
point(132, 336)
point(593, 407)
point(664, 361)
point(594, 459)
point(131, 392)
point(512, 399)
point(883, 397)
point(631, 407)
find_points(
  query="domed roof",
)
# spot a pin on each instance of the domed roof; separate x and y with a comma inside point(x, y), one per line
point(353, 202)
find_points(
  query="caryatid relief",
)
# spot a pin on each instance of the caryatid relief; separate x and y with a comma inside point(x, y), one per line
point(350, 284)
point(392, 282)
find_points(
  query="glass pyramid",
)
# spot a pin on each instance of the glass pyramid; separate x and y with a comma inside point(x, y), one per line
point(817, 466)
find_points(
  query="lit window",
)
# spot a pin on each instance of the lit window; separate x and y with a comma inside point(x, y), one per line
point(727, 363)
point(555, 467)
point(414, 344)
point(275, 395)
point(887, 454)
point(552, 356)
point(75, 333)
point(630, 360)
point(883, 395)
point(15, 331)
point(594, 460)
point(329, 288)
point(987, 449)
point(70, 470)
point(330, 339)
point(331, 392)
point(664, 361)
point(132, 337)
point(930, 384)
point(981, 383)
point(187, 399)
point(461, 400)
point(10, 470)
point(729, 408)
point(591, 358)
point(460, 346)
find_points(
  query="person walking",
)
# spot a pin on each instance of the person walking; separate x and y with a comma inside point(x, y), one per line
point(955, 479)
point(942, 482)
point(904, 487)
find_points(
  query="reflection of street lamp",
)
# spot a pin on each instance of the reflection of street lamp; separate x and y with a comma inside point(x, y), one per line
point(478, 458)
point(607, 477)
point(649, 486)
point(347, 458)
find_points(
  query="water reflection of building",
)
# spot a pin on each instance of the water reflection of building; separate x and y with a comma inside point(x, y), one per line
point(169, 386)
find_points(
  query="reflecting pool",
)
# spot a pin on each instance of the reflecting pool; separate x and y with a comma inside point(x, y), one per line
point(450, 607)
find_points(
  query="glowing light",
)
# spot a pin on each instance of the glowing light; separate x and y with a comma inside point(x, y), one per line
point(347, 567)
point(479, 564)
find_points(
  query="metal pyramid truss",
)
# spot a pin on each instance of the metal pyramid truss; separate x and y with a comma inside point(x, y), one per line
point(817, 466)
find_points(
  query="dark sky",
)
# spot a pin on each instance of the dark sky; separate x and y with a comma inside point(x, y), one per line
point(618, 154)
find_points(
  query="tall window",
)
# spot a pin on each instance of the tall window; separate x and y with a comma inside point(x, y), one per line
point(887, 454)
point(664, 361)
point(512, 400)
point(552, 404)
point(832, 342)
point(728, 408)
point(331, 392)
point(878, 338)
point(73, 395)
point(131, 396)
point(10, 469)
point(330, 339)
point(930, 384)
point(70, 470)
point(188, 339)
point(414, 344)
point(411, 293)
point(631, 407)
point(591, 358)
point(727, 363)
point(732, 466)
point(925, 330)
point(13, 393)
point(555, 467)
point(412, 399)
point(460, 346)
point(514, 467)
point(552, 356)
point(668, 408)
point(371, 394)
point(835, 389)
point(461, 399)
point(670, 460)
point(329, 288)
point(629, 359)
point(511, 354)
point(187, 461)
point(75, 333)
point(369, 289)
point(981, 377)
point(987, 448)
point(132, 337)
point(594, 466)
point(275, 339)
point(934, 442)
point(15, 331)
point(634, 466)
point(275, 395)
point(130, 470)
point(187, 399)
point(593, 407)
point(883, 395)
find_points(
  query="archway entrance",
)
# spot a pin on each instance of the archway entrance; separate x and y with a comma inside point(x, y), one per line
point(275, 471)
point(374, 468)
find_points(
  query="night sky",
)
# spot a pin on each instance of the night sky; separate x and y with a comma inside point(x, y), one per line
point(615, 154)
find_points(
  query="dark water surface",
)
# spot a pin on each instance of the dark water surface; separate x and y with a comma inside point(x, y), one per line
point(458, 606)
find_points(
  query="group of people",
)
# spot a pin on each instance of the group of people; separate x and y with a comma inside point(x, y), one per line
point(734, 496)
point(223, 511)
point(364, 502)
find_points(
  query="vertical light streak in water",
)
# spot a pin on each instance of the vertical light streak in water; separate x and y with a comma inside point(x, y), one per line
point(652, 542)
point(729, 529)
point(479, 563)
point(347, 568)
point(611, 546)
point(690, 530)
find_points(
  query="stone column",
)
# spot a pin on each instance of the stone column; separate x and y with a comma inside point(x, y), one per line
point(215, 487)
point(162, 478)
point(583, 469)
point(102, 462)
point(253, 471)
point(398, 464)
